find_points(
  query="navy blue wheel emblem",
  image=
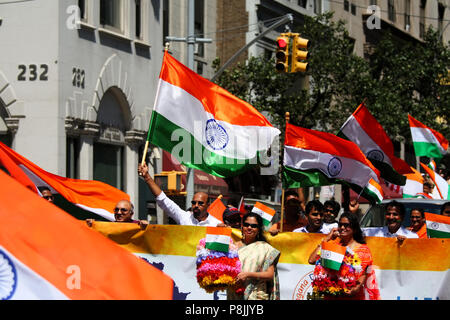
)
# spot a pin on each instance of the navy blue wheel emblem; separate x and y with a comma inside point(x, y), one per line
point(216, 136)
point(334, 167)
point(375, 155)
point(8, 277)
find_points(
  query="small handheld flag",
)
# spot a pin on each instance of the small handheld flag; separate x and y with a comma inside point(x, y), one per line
point(218, 238)
point(217, 208)
point(438, 226)
point(332, 255)
point(265, 212)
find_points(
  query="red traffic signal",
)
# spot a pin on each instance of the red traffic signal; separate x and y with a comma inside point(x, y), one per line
point(282, 54)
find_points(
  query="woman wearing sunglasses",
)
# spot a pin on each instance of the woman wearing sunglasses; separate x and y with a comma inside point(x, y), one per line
point(355, 278)
point(258, 279)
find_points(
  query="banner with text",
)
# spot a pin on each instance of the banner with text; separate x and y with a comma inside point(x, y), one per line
point(417, 269)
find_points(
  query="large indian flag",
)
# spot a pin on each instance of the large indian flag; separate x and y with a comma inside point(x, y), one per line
point(315, 158)
point(367, 133)
point(427, 142)
point(45, 254)
point(206, 127)
point(96, 198)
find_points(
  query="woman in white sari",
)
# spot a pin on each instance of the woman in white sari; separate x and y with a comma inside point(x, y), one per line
point(258, 279)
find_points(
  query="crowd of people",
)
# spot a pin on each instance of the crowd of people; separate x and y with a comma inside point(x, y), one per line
point(259, 259)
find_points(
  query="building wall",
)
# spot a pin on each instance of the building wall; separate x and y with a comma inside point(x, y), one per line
point(55, 73)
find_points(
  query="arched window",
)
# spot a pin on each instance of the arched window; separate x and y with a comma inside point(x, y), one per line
point(114, 118)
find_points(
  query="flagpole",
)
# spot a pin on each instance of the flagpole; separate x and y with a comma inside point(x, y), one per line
point(287, 116)
point(147, 143)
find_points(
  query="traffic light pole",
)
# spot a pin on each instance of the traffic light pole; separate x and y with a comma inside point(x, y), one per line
point(191, 40)
point(287, 18)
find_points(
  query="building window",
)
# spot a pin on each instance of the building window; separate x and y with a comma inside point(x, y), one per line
point(82, 6)
point(346, 5)
point(199, 26)
point(407, 15)
point(72, 158)
point(138, 18)
point(111, 13)
point(441, 15)
point(108, 164)
point(391, 10)
point(373, 2)
point(302, 3)
point(165, 20)
point(423, 4)
point(317, 6)
point(353, 9)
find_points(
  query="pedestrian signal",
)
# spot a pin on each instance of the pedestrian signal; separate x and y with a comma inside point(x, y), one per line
point(299, 54)
point(282, 54)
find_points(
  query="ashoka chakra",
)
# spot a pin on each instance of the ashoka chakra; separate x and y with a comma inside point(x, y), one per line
point(8, 277)
point(216, 136)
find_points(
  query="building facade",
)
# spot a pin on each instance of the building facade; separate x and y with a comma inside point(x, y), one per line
point(77, 85)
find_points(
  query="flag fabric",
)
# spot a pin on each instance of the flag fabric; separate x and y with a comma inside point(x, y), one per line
point(218, 238)
point(426, 141)
point(414, 184)
point(241, 207)
point(332, 255)
point(10, 167)
point(441, 186)
point(94, 196)
point(216, 209)
point(220, 134)
point(438, 226)
point(432, 165)
point(367, 133)
point(375, 191)
point(315, 158)
point(47, 254)
point(265, 212)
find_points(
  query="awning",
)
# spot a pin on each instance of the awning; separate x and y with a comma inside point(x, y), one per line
point(203, 182)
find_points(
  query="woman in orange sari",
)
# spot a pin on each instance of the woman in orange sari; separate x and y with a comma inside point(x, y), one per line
point(355, 279)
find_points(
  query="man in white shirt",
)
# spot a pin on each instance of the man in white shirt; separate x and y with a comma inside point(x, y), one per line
point(314, 213)
point(198, 217)
point(395, 213)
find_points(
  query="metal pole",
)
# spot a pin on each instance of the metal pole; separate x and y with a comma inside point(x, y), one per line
point(190, 62)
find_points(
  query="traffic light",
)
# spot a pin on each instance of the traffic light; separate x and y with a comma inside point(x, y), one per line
point(170, 182)
point(299, 54)
point(282, 54)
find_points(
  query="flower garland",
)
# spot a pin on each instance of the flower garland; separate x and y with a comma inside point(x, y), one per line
point(336, 283)
point(217, 271)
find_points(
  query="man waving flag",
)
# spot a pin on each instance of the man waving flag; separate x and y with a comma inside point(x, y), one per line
point(315, 158)
point(204, 126)
point(364, 130)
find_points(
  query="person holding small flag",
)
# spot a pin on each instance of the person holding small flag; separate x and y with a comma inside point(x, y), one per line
point(445, 209)
point(343, 264)
point(199, 215)
point(258, 279)
point(418, 224)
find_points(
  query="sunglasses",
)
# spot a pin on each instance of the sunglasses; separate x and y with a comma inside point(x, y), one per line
point(200, 203)
point(343, 224)
point(122, 210)
point(48, 197)
point(252, 225)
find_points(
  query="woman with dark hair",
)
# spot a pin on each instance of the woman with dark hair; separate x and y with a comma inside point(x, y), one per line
point(258, 279)
point(355, 278)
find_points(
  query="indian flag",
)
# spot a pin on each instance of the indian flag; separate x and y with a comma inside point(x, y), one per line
point(46, 254)
point(206, 127)
point(218, 238)
point(375, 191)
point(315, 158)
point(438, 226)
point(367, 133)
point(332, 255)
point(414, 184)
point(265, 212)
point(441, 185)
point(96, 198)
point(216, 208)
point(427, 142)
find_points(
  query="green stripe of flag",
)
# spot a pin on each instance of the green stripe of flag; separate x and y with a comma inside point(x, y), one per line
point(217, 246)
point(437, 234)
point(197, 157)
point(331, 264)
point(426, 149)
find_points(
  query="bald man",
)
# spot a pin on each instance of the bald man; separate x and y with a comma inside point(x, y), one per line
point(123, 212)
point(199, 215)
